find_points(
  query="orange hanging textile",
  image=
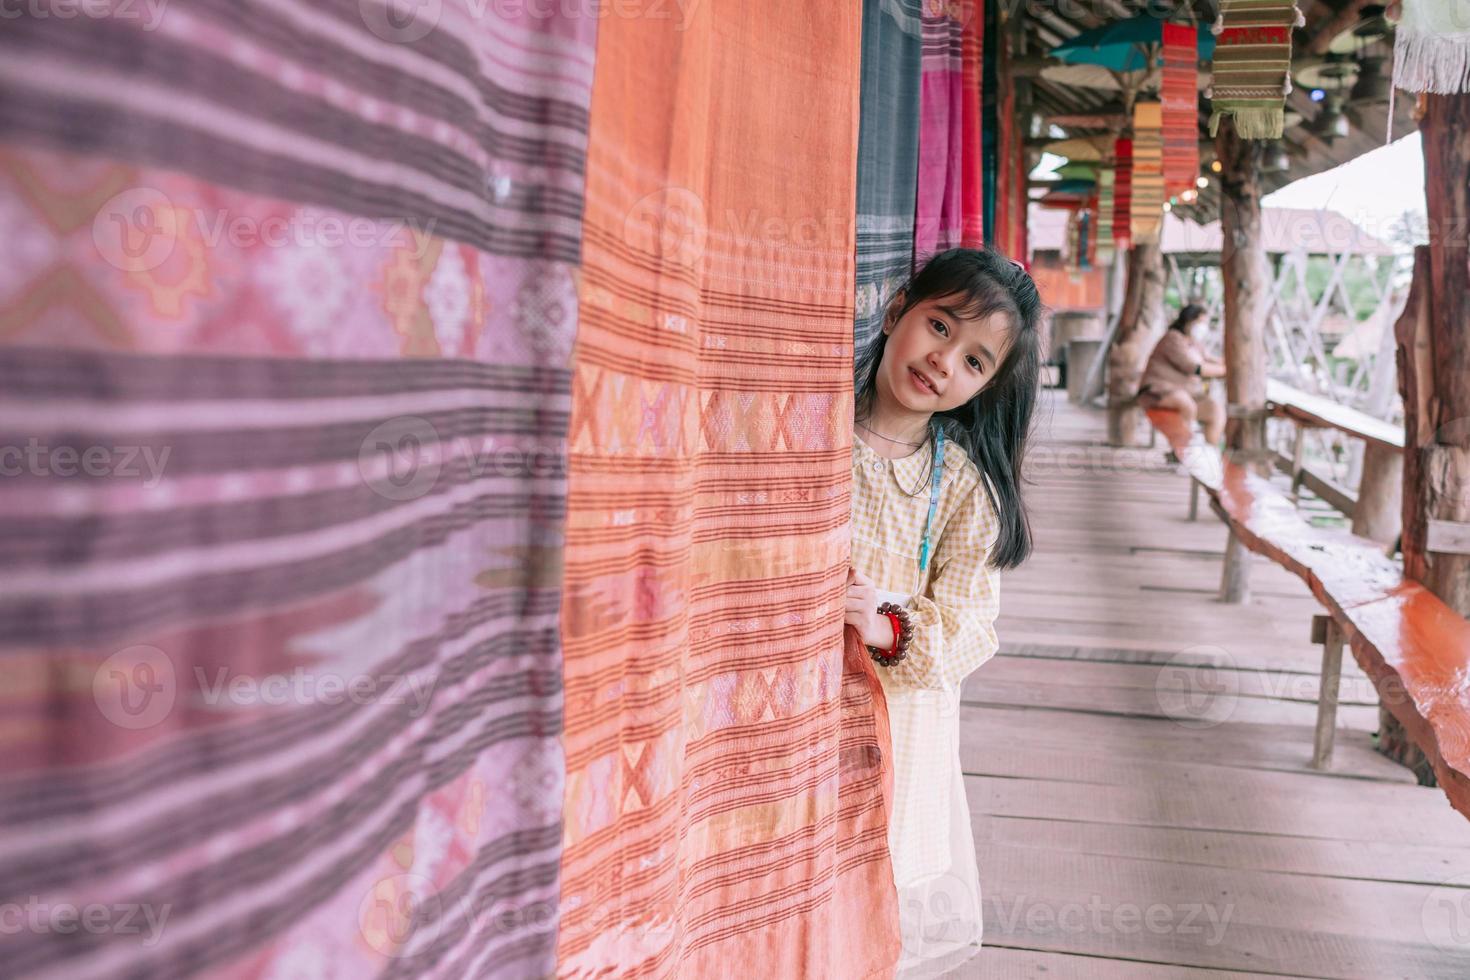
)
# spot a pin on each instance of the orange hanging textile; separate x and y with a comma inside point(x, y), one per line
point(724, 757)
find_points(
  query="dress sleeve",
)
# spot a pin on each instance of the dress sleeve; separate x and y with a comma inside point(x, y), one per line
point(954, 621)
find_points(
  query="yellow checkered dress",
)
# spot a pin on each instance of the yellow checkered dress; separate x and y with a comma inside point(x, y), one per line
point(953, 609)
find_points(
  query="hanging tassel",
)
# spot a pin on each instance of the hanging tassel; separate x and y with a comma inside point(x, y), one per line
point(1431, 63)
point(1252, 123)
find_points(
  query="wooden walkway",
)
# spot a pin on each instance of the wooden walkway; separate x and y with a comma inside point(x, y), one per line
point(1136, 759)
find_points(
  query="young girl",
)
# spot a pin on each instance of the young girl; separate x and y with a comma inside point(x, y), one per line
point(944, 400)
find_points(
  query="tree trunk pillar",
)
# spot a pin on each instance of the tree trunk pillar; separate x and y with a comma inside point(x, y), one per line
point(1140, 325)
point(1246, 276)
point(1433, 348)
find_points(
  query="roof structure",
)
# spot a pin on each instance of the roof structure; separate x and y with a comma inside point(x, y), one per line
point(1060, 105)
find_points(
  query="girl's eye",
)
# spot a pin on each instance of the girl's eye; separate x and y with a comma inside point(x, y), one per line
point(939, 326)
point(974, 362)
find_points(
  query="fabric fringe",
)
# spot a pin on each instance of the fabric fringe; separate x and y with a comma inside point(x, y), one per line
point(1431, 62)
point(1252, 124)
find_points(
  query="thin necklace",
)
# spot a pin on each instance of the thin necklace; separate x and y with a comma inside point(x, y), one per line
point(900, 442)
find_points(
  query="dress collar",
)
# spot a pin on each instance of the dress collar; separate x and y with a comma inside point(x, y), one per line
point(909, 471)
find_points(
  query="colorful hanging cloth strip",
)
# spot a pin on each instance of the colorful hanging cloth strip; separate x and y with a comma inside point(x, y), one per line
point(1103, 250)
point(1123, 194)
point(1148, 173)
point(1179, 94)
point(939, 199)
point(888, 157)
point(1431, 47)
point(972, 192)
point(289, 676)
point(725, 757)
point(1251, 65)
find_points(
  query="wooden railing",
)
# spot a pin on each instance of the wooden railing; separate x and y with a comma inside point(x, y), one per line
point(1414, 647)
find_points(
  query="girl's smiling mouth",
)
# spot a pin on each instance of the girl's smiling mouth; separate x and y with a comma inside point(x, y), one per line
point(922, 382)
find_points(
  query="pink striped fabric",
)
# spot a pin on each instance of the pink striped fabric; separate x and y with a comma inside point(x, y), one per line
point(939, 203)
point(285, 323)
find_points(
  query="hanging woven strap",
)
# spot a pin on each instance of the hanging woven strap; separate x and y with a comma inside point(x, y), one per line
point(1148, 172)
point(1179, 94)
point(1253, 65)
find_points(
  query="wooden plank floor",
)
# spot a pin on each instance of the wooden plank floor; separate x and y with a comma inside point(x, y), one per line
point(1136, 759)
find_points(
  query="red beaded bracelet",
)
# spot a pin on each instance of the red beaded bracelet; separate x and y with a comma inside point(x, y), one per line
point(903, 632)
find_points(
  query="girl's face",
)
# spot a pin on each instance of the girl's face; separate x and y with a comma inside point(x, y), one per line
point(935, 359)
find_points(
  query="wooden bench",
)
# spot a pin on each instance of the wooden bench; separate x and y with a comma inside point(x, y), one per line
point(1415, 648)
point(1375, 506)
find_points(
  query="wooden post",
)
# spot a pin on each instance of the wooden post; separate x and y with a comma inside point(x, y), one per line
point(1141, 323)
point(1327, 694)
point(1298, 444)
point(1433, 347)
point(1380, 507)
point(1247, 281)
point(1235, 579)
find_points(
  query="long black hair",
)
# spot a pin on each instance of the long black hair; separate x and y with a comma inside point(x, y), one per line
point(993, 426)
point(1186, 318)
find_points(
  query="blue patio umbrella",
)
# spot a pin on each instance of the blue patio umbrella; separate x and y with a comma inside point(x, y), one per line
point(1123, 45)
point(1072, 186)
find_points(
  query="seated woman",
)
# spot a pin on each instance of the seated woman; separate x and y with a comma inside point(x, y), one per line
point(1172, 377)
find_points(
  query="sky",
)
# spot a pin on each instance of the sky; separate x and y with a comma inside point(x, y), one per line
point(1372, 190)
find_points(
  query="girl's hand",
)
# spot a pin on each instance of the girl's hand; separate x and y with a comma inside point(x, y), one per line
point(862, 611)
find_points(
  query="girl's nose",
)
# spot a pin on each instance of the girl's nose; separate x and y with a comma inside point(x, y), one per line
point(939, 362)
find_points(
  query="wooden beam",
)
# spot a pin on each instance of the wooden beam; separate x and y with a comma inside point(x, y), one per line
point(1088, 120)
point(1447, 537)
point(1335, 23)
point(1029, 65)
